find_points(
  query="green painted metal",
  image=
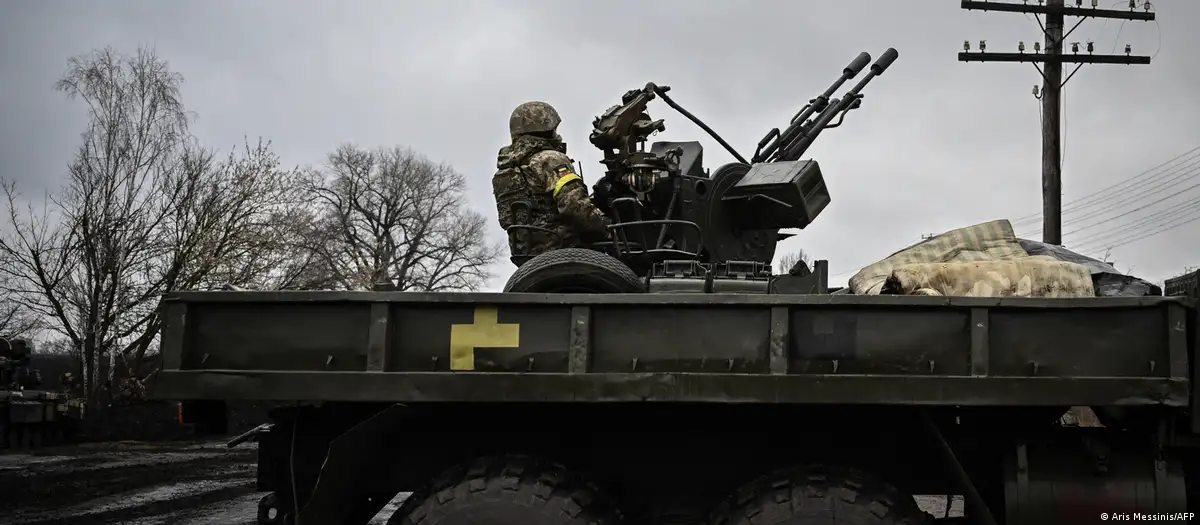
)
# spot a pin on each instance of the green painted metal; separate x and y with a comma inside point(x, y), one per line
point(395, 346)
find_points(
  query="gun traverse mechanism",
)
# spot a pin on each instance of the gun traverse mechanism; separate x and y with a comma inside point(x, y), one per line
point(665, 205)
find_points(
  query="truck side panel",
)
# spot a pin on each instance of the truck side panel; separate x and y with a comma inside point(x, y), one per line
point(705, 346)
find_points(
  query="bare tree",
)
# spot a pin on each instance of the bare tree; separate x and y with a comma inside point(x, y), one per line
point(144, 211)
point(77, 267)
point(392, 215)
point(17, 321)
point(788, 260)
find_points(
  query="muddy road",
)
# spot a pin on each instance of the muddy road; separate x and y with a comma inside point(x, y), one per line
point(182, 483)
point(197, 483)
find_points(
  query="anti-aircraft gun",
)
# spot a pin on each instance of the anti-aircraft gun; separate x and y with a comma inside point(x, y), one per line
point(15, 357)
point(674, 221)
point(29, 415)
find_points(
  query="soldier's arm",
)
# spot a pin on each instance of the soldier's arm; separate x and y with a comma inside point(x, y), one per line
point(570, 192)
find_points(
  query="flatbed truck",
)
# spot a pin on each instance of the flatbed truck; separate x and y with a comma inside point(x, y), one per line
point(698, 408)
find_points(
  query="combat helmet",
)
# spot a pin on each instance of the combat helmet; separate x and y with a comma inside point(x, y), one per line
point(533, 117)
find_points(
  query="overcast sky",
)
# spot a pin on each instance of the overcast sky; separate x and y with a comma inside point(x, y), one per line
point(937, 145)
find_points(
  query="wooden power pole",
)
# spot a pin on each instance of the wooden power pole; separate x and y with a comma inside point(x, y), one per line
point(1051, 62)
point(1052, 128)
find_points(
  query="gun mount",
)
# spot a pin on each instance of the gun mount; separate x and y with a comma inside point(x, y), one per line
point(666, 206)
point(14, 354)
point(31, 415)
point(677, 226)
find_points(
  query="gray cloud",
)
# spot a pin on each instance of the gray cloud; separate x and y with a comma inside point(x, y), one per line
point(938, 144)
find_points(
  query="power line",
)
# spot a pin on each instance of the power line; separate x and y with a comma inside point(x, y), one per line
point(1188, 173)
point(1183, 177)
point(1121, 189)
point(1103, 194)
point(1051, 71)
point(1152, 215)
point(1140, 225)
point(1193, 217)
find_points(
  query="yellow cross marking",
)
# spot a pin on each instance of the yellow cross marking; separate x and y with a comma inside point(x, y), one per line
point(485, 332)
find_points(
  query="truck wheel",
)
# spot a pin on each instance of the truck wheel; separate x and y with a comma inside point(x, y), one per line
point(574, 270)
point(505, 490)
point(271, 511)
point(819, 495)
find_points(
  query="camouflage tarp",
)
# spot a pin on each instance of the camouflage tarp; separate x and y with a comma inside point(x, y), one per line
point(990, 241)
point(984, 260)
point(1038, 276)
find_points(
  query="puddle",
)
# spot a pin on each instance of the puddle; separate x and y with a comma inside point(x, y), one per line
point(238, 510)
point(19, 461)
point(137, 498)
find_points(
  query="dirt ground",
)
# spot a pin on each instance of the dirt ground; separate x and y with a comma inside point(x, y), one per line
point(189, 483)
point(133, 483)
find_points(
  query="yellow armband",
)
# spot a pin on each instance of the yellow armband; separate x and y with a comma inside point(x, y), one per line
point(565, 175)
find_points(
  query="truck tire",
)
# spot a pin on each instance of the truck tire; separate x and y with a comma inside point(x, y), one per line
point(574, 270)
point(503, 490)
point(819, 495)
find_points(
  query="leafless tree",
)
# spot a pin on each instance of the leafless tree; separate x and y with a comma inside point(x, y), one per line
point(17, 321)
point(1107, 256)
point(144, 211)
point(57, 346)
point(392, 215)
point(788, 260)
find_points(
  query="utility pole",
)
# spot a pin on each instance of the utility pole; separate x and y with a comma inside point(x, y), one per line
point(1050, 68)
point(1052, 129)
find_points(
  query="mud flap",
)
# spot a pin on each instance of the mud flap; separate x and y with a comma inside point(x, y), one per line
point(348, 487)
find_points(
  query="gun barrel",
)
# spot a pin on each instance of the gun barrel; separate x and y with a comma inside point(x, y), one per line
point(801, 132)
point(796, 127)
point(884, 61)
point(818, 104)
point(859, 63)
point(797, 147)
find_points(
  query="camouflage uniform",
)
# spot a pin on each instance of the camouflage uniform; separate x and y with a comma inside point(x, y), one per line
point(67, 381)
point(536, 185)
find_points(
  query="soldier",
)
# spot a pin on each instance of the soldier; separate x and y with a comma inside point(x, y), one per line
point(29, 378)
point(67, 381)
point(536, 185)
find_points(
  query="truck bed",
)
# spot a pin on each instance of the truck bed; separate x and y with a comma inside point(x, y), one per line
point(728, 348)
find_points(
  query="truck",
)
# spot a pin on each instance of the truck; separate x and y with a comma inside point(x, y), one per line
point(667, 376)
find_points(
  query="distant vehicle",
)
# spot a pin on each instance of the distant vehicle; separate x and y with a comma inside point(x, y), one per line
point(30, 416)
